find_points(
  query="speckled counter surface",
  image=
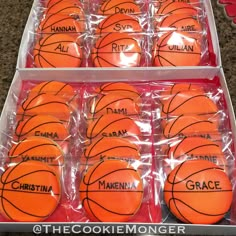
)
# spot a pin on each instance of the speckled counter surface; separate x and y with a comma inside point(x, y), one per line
point(13, 17)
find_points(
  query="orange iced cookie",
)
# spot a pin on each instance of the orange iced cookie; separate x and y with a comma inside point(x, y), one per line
point(57, 50)
point(37, 149)
point(177, 49)
point(113, 103)
point(180, 87)
point(45, 104)
point(185, 1)
point(30, 192)
point(113, 125)
point(116, 50)
point(109, 148)
point(190, 125)
point(111, 7)
point(53, 87)
point(42, 126)
point(116, 181)
point(198, 192)
point(175, 8)
point(180, 22)
point(188, 102)
point(49, 3)
point(60, 23)
point(198, 148)
point(57, 88)
point(119, 23)
point(67, 7)
point(120, 88)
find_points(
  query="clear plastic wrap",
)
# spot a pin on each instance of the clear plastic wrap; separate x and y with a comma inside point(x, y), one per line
point(37, 151)
point(190, 135)
point(69, 49)
point(119, 50)
point(130, 160)
point(182, 37)
point(108, 29)
point(111, 7)
point(117, 23)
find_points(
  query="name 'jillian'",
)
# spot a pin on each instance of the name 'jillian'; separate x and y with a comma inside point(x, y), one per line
point(181, 48)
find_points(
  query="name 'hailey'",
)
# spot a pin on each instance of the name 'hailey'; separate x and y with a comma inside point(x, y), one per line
point(181, 48)
point(116, 185)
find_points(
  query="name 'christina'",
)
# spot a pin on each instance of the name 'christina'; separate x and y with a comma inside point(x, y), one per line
point(31, 187)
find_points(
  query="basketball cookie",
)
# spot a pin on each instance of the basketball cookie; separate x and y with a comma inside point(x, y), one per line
point(186, 125)
point(120, 88)
point(30, 192)
point(45, 104)
point(116, 181)
point(188, 102)
point(109, 148)
point(185, 1)
point(37, 149)
point(49, 3)
point(116, 50)
point(175, 8)
point(113, 125)
point(57, 50)
point(60, 23)
point(112, 103)
point(119, 23)
point(179, 22)
point(198, 192)
point(180, 87)
point(42, 126)
point(177, 49)
point(194, 3)
point(67, 7)
point(111, 7)
point(53, 87)
point(190, 148)
point(63, 90)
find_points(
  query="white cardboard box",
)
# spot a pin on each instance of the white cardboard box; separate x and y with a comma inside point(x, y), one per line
point(91, 76)
point(30, 29)
point(113, 74)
